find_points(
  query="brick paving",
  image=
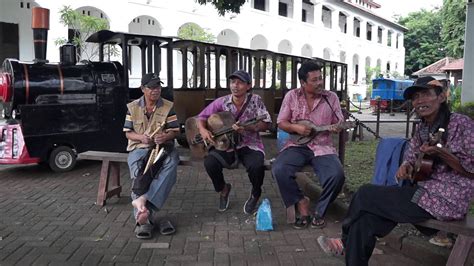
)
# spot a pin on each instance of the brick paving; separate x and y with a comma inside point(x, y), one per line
point(51, 219)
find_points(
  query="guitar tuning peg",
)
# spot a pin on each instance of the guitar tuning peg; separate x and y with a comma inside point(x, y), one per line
point(439, 145)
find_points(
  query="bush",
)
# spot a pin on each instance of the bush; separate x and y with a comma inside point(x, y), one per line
point(467, 109)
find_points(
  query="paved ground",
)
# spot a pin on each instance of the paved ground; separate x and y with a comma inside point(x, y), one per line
point(48, 218)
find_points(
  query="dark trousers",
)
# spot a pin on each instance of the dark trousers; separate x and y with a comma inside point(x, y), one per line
point(328, 169)
point(252, 160)
point(374, 211)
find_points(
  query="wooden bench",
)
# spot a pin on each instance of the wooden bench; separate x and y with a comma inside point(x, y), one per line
point(109, 180)
point(465, 240)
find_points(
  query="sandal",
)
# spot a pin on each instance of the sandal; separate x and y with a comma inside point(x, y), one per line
point(331, 246)
point(166, 228)
point(144, 231)
point(302, 222)
point(318, 223)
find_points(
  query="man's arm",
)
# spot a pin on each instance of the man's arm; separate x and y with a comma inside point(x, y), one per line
point(446, 156)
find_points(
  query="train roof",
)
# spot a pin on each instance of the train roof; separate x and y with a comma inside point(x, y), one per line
point(111, 37)
point(394, 80)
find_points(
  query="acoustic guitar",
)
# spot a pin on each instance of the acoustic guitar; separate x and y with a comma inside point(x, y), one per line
point(220, 124)
point(315, 130)
point(424, 162)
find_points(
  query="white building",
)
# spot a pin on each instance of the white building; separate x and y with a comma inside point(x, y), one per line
point(339, 30)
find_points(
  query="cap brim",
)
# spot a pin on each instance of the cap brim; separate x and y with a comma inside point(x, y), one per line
point(154, 83)
point(408, 93)
point(234, 76)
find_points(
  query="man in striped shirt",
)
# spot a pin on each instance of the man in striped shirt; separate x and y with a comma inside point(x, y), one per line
point(151, 120)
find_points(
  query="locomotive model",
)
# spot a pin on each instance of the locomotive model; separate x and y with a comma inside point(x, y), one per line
point(54, 111)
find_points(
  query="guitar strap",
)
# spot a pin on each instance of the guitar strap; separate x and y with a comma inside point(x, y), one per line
point(325, 97)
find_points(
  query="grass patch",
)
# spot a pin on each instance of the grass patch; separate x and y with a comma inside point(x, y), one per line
point(359, 163)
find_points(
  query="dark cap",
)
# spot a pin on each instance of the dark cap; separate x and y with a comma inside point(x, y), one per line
point(242, 75)
point(151, 80)
point(422, 84)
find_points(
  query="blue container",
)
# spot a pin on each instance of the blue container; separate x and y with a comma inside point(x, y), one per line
point(282, 137)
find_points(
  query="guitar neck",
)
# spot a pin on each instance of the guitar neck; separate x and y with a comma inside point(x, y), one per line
point(226, 130)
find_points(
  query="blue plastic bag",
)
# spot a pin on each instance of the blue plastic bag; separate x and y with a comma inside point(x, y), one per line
point(264, 216)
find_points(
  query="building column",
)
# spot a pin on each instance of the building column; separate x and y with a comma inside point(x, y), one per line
point(350, 26)
point(273, 7)
point(335, 20)
point(318, 10)
point(363, 30)
point(297, 10)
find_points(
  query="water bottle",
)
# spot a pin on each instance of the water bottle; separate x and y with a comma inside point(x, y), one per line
point(264, 216)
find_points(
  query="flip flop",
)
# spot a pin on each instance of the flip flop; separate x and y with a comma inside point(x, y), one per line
point(331, 246)
point(318, 223)
point(166, 228)
point(144, 231)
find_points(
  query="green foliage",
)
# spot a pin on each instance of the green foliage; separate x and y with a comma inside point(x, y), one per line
point(467, 109)
point(192, 31)
point(224, 6)
point(453, 16)
point(455, 100)
point(423, 42)
point(84, 26)
point(359, 163)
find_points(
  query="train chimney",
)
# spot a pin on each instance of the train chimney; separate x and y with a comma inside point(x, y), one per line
point(67, 54)
point(40, 26)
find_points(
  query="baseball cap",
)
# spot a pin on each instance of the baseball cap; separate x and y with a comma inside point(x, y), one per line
point(422, 83)
point(242, 75)
point(151, 80)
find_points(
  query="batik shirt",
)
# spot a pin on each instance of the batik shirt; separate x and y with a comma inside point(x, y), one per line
point(446, 194)
point(255, 108)
point(322, 113)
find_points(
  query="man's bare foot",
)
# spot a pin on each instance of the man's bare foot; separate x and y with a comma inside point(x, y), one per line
point(303, 206)
point(142, 211)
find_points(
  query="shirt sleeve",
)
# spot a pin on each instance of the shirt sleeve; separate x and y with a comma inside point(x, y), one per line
point(336, 105)
point(128, 125)
point(214, 107)
point(261, 109)
point(462, 142)
point(285, 111)
point(413, 148)
point(172, 120)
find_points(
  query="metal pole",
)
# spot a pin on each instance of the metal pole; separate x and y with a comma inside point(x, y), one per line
point(467, 93)
point(408, 119)
point(391, 108)
point(377, 126)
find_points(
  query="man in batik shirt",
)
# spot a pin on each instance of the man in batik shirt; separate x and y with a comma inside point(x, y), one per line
point(249, 150)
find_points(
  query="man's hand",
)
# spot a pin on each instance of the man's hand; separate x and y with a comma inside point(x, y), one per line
point(206, 136)
point(405, 171)
point(301, 130)
point(145, 139)
point(162, 137)
point(237, 127)
point(431, 150)
point(335, 128)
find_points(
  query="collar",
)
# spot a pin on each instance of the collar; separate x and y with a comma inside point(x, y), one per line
point(300, 93)
point(141, 102)
point(228, 100)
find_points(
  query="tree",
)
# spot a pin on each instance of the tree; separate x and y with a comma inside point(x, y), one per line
point(82, 27)
point(453, 15)
point(224, 6)
point(423, 44)
point(192, 31)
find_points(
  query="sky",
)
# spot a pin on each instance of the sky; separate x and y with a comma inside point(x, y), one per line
point(403, 7)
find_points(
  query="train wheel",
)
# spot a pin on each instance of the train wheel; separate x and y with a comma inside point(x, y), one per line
point(62, 159)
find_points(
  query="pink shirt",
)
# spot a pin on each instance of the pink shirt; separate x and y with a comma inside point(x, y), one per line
point(294, 108)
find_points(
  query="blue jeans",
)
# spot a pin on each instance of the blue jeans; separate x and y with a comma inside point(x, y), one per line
point(328, 169)
point(161, 185)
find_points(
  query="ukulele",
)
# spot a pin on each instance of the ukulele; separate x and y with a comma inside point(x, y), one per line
point(424, 162)
point(315, 130)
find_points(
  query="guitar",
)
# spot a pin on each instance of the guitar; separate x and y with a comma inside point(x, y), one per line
point(424, 162)
point(220, 124)
point(315, 130)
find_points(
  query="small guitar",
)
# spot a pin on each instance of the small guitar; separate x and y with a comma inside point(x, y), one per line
point(220, 125)
point(315, 130)
point(424, 163)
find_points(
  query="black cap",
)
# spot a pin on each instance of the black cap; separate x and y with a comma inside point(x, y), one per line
point(151, 80)
point(422, 83)
point(242, 75)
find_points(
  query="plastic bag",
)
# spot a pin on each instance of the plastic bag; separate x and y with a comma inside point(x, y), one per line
point(264, 216)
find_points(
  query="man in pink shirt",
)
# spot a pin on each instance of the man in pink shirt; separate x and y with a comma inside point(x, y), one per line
point(321, 107)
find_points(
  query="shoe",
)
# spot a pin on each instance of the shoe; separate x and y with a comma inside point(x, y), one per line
point(224, 200)
point(302, 222)
point(250, 205)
